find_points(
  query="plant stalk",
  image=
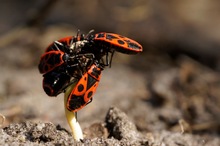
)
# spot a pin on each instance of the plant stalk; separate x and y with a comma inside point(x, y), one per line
point(72, 117)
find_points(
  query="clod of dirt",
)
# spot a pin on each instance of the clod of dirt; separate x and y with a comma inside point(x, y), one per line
point(95, 130)
point(30, 133)
point(120, 127)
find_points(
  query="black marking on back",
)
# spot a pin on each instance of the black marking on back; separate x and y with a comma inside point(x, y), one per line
point(76, 102)
point(90, 94)
point(110, 37)
point(101, 35)
point(80, 88)
point(121, 42)
point(91, 82)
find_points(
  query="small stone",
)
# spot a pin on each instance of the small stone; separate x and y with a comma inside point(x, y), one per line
point(40, 126)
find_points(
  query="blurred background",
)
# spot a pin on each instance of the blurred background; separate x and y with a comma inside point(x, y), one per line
point(175, 82)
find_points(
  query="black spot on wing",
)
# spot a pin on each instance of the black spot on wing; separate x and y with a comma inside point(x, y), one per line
point(121, 42)
point(90, 94)
point(80, 88)
point(100, 35)
point(134, 46)
point(110, 37)
point(76, 102)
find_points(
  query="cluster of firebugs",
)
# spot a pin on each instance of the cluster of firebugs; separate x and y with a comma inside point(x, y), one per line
point(80, 59)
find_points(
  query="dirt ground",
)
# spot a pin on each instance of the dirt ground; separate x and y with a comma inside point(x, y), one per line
point(166, 96)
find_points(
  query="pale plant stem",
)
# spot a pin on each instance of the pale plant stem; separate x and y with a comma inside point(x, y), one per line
point(72, 118)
